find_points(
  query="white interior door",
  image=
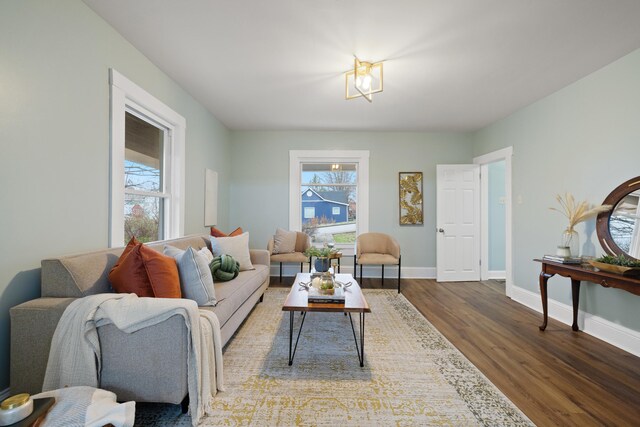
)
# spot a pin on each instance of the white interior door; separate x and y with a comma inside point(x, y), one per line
point(458, 223)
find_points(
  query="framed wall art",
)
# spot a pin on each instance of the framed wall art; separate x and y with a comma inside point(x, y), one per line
point(411, 210)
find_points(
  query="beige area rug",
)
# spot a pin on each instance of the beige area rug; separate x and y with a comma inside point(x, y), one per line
point(412, 374)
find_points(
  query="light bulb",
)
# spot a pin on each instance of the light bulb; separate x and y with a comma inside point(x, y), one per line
point(366, 82)
point(363, 82)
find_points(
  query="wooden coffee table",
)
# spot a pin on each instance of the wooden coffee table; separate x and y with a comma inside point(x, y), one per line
point(354, 303)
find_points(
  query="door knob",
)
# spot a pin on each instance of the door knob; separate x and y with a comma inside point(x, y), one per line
point(440, 230)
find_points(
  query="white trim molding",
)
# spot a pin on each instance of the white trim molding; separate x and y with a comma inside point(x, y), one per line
point(496, 274)
point(612, 333)
point(127, 96)
point(505, 154)
point(298, 157)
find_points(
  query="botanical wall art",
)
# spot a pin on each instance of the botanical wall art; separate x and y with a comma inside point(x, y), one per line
point(411, 212)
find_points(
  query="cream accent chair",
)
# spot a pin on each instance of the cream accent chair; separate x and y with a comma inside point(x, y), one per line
point(376, 249)
point(303, 242)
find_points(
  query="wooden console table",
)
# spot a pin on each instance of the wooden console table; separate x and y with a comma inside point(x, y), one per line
point(578, 273)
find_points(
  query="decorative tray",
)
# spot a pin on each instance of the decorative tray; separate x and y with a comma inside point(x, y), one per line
point(317, 294)
point(610, 268)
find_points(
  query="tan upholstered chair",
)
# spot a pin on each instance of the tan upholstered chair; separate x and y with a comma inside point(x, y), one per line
point(303, 242)
point(376, 249)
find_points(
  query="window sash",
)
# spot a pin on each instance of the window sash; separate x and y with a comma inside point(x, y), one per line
point(126, 96)
point(358, 157)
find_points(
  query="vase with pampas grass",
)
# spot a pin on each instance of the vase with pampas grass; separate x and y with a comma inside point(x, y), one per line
point(575, 213)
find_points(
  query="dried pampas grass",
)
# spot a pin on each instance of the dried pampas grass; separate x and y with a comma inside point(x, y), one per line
point(577, 213)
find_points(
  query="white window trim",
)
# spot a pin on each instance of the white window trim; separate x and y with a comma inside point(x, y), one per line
point(298, 157)
point(126, 95)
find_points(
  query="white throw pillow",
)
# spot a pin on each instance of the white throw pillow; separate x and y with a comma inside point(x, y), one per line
point(284, 242)
point(205, 252)
point(196, 280)
point(236, 246)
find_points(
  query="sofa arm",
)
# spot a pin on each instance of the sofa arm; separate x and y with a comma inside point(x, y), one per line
point(32, 326)
point(260, 256)
point(148, 365)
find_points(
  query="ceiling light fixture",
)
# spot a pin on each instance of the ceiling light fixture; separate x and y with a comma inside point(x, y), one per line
point(364, 80)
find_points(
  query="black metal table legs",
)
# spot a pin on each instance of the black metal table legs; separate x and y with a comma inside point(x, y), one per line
point(360, 350)
point(359, 346)
point(292, 354)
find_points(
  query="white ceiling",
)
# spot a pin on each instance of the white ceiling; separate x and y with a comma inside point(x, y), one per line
point(449, 64)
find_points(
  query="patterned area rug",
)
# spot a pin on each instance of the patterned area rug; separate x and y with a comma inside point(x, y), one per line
point(412, 374)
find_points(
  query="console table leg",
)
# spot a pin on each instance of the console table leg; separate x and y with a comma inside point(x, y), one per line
point(575, 294)
point(543, 294)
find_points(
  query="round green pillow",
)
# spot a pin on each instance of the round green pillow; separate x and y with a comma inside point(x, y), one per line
point(224, 268)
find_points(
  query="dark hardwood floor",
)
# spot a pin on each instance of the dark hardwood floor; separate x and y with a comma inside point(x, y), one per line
point(557, 377)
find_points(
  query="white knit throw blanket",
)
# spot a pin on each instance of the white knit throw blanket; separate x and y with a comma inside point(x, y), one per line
point(74, 358)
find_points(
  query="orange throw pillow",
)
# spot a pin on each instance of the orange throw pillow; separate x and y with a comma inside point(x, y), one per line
point(162, 271)
point(145, 272)
point(129, 274)
point(217, 233)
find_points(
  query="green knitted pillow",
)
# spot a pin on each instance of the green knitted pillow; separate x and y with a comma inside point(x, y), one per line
point(224, 268)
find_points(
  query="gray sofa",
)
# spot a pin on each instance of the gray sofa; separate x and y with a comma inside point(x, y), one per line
point(149, 365)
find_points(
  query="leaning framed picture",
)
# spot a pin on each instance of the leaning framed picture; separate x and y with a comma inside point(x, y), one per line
point(411, 212)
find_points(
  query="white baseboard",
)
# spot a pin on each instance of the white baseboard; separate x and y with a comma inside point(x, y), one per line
point(612, 333)
point(497, 274)
point(4, 394)
point(390, 272)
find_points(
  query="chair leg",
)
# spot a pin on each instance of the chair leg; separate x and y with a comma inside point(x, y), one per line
point(399, 261)
point(383, 275)
point(301, 267)
point(309, 264)
point(184, 405)
point(360, 274)
point(280, 272)
point(355, 272)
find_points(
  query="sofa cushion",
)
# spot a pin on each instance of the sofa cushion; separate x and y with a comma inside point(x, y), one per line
point(284, 242)
point(217, 233)
point(129, 274)
point(207, 254)
point(195, 275)
point(231, 295)
point(146, 273)
point(237, 247)
point(162, 272)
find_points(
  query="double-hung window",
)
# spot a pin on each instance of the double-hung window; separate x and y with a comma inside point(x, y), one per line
point(147, 166)
point(329, 195)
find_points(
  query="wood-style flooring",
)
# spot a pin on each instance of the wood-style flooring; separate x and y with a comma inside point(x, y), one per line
point(557, 377)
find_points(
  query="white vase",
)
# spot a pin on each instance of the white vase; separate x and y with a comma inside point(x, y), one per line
point(569, 243)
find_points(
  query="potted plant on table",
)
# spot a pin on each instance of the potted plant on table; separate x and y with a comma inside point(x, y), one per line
point(323, 257)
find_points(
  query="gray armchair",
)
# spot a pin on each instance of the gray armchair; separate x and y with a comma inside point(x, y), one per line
point(376, 249)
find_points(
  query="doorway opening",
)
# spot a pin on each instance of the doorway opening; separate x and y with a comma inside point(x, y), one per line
point(496, 223)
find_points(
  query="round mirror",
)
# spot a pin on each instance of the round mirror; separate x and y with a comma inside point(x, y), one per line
point(619, 229)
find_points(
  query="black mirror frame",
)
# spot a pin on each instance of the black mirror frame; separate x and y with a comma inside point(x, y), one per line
point(602, 222)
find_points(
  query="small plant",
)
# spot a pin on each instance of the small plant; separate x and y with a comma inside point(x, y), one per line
point(620, 260)
point(326, 285)
point(320, 252)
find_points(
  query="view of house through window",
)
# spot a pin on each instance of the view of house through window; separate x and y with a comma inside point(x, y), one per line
point(144, 165)
point(329, 202)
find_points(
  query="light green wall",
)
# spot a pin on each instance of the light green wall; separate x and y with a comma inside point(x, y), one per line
point(54, 135)
point(260, 180)
point(497, 227)
point(584, 139)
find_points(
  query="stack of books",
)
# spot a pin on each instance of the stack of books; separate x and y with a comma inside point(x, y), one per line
point(563, 259)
